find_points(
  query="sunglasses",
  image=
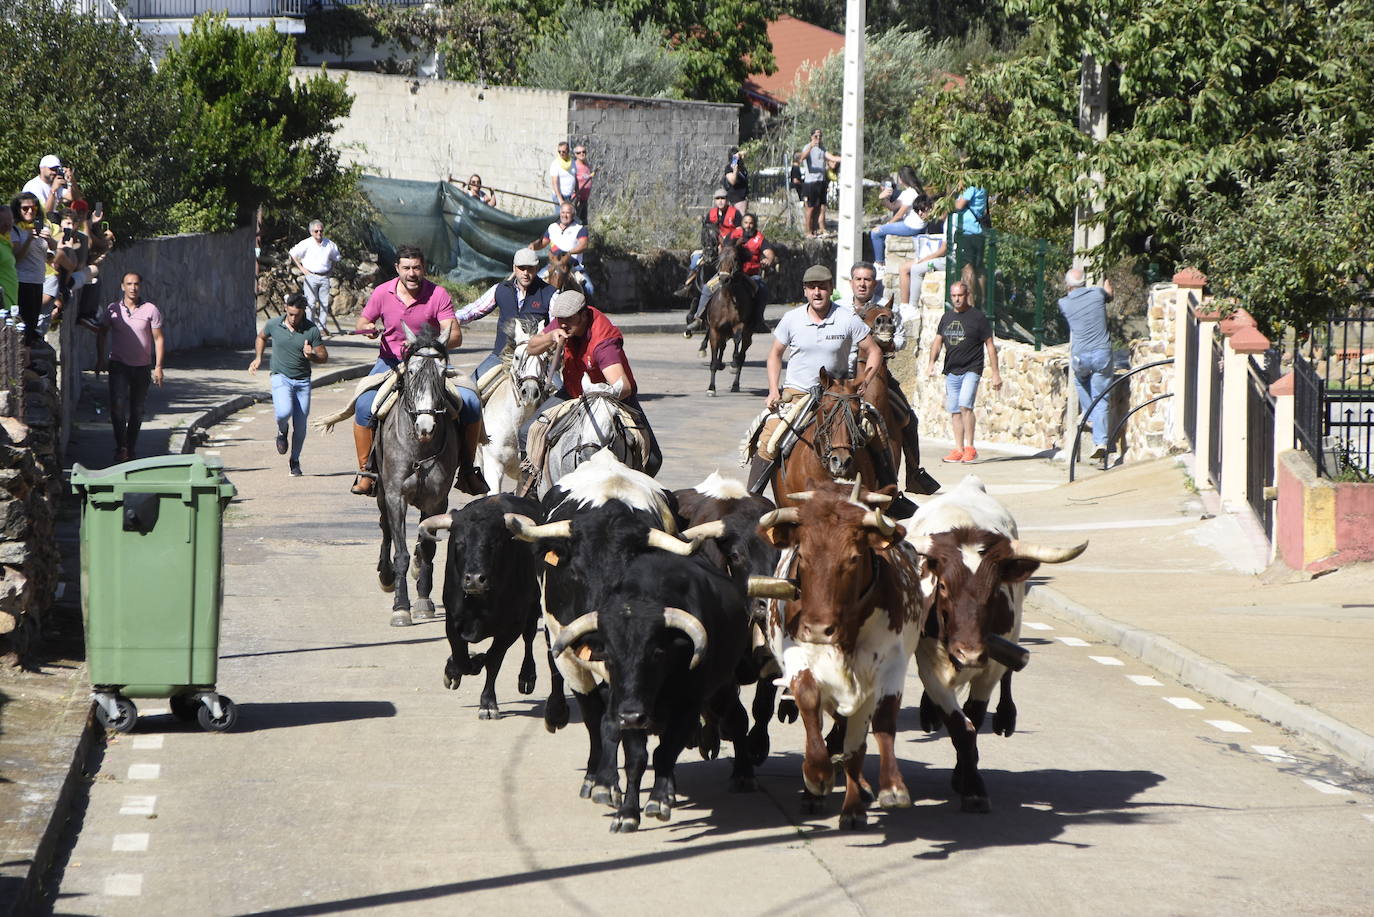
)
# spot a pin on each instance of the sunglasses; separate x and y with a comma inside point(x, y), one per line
point(28, 207)
point(580, 152)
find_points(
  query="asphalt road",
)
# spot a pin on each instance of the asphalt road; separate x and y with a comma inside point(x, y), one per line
point(356, 783)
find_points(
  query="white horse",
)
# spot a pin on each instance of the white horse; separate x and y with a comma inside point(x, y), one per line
point(522, 387)
point(594, 423)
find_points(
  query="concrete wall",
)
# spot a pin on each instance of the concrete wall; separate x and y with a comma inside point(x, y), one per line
point(666, 153)
point(404, 127)
point(1321, 524)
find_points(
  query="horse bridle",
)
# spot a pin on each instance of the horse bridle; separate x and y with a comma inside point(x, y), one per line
point(846, 404)
point(408, 400)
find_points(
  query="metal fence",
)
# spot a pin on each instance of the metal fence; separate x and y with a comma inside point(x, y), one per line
point(236, 9)
point(1014, 277)
point(1308, 410)
point(1334, 391)
point(1259, 422)
point(1192, 335)
point(1214, 444)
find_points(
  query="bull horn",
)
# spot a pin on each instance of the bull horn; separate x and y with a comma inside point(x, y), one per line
point(575, 631)
point(787, 515)
point(773, 587)
point(689, 625)
point(874, 519)
point(431, 527)
point(523, 528)
point(664, 541)
point(854, 494)
point(1044, 553)
point(706, 530)
point(877, 499)
point(801, 496)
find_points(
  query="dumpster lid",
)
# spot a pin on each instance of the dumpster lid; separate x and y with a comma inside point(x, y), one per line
point(193, 470)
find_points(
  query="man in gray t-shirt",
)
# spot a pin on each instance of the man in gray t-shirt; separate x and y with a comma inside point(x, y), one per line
point(1085, 309)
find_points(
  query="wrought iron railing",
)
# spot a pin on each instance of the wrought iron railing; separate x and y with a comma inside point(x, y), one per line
point(1192, 335)
point(1259, 453)
point(237, 9)
point(1122, 379)
point(1214, 444)
point(1309, 410)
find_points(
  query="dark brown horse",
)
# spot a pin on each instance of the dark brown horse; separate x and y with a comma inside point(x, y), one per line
point(883, 324)
point(833, 444)
point(729, 314)
point(561, 267)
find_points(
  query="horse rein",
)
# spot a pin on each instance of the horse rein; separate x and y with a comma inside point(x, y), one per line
point(825, 423)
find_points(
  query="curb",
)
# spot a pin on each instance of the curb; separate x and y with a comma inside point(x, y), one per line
point(183, 438)
point(1213, 678)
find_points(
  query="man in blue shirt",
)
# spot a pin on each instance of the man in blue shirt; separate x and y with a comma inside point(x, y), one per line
point(972, 207)
point(1085, 309)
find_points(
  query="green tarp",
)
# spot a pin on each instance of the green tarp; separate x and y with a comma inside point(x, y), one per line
point(461, 237)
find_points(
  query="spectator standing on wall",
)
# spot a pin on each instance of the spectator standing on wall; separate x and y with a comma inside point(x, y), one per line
point(53, 184)
point(133, 330)
point(316, 256)
point(795, 180)
point(1090, 350)
point(30, 239)
point(908, 209)
point(972, 207)
point(967, 336)
point(736, 182)
point(295, 345)
point(816, 162)
point(583, 173)
point(9, 277)
point(562, 181)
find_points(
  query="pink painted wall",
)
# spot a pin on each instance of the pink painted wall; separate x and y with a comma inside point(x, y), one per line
point(1288, 517)
point(1355, 522)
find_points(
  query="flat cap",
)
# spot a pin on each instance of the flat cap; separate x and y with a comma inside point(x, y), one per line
point(525, 258)
point(567, 303)
point(818, 273)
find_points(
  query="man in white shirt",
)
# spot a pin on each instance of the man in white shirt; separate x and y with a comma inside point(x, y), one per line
point(567, 236)
point(562, 177)
point(52, 181)
point(316, 256)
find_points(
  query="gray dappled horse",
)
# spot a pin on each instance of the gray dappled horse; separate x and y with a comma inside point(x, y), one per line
point(418, 447)
point(593, 424)
point(523, 386)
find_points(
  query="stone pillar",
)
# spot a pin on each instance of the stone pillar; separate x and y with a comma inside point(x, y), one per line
point(1202, 385)
point(1188, 284)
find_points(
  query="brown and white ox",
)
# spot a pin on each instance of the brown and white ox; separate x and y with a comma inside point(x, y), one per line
point(844, 645)
point(974, 569)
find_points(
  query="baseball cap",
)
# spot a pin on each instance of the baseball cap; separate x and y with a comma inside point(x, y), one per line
point(720, 196)
point(567, 303)
point(50, 162)
point(525, 258)
point(818, 273)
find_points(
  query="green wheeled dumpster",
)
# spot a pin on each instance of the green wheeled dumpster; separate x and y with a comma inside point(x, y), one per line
point(151, 586)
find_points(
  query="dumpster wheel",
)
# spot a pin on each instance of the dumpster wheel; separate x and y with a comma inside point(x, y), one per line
point(123, 717)
point(229, 714)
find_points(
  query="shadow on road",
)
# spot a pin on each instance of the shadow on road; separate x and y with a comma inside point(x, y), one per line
point(286, 715)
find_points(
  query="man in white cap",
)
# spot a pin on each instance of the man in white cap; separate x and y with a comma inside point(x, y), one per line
point(523, 294)
point(592, 346)
point(53, 184)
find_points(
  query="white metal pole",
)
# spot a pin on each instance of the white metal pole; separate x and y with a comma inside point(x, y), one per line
point(849, 245)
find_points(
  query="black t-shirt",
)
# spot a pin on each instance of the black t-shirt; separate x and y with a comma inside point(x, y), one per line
point(964, 334)
point(740, 189)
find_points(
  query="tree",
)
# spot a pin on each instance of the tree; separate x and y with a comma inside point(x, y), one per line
point(83, 88)
point(598, 51)
point(940, 18)
point(250, 136)
point(1203, 97)
point(899, 67)
point(472, 40)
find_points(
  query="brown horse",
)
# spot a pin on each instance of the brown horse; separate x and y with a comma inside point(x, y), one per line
point(561, 269)
point(729, 314)
point(833, 444)
point(903, 434)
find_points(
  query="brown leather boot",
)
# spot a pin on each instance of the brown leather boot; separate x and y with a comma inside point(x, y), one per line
point(362, 441)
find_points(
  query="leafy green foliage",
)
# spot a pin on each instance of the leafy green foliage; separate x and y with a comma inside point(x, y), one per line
point(599, 51)
point(82, 88)
point(939, 18)
point(473, 40)
point(899, 67)
point(250, 136)
point(1204, 100)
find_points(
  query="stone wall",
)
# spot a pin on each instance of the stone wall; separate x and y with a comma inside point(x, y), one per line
point(1147, 432)
point(30, 490)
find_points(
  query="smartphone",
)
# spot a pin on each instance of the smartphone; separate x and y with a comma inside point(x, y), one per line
point(100, 208)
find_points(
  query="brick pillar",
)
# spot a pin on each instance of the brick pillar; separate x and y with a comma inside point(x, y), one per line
point(1187, 293)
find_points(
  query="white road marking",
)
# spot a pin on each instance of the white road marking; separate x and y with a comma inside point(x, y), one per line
point(1368, 816)
point(1273, 752)
point(1102, 526)
point(1145, 681)
point(138, 805)
point(1227, 726)
point(1036, 625)
point(142, 743)
point(129, 843)
point(1072, 641)
point(145, 771)
point(1106, 660)
point(1184, 703)
point(124, 885)
point(1330, 789)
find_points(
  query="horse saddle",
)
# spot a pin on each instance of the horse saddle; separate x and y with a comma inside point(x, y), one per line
point(774, 434)
point(385, 385)
point(559, 419)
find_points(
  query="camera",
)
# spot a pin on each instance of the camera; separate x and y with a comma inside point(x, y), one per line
point(59, 172)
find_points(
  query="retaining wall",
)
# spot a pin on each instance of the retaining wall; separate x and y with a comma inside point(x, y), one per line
point(1321, 524)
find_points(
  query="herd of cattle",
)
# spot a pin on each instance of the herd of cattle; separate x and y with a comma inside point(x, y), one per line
point(658, 606)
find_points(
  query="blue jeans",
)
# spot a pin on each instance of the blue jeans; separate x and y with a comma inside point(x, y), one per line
point(1092, 372)
point(960, 391)
point(880, 232)
point(291, 404)
point(470, 412)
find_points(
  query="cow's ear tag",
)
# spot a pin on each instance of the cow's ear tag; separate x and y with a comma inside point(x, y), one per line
point(551, 558)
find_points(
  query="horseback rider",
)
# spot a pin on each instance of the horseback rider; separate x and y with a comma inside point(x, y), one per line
point(726, 219)
point(592, 346)
point(567, 236)
point(864, 288)
point(820, 334)
point(756, 256)
point(523, 294)
point(411, 301)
